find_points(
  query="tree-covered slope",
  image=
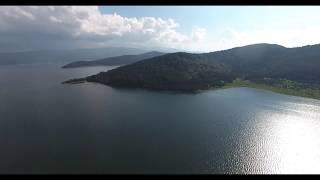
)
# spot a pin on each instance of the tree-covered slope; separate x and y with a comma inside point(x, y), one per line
point(177, 71)
point(185, 71)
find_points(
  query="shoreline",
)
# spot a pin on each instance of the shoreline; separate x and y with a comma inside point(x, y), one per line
point(293, 91)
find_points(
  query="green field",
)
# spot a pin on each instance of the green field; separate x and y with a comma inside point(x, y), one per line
point(280, 86)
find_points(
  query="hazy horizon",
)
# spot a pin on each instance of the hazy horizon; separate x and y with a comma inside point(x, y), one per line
point(169, 50)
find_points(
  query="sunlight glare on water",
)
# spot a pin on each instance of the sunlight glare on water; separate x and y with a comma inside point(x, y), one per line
point(288, 141)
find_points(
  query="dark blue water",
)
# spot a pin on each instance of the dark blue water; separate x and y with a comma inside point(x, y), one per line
point(48, 127)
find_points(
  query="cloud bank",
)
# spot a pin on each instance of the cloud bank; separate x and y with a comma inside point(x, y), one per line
point(47, 27)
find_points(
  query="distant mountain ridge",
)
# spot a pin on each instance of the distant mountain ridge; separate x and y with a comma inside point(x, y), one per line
point(64, 56)
point(186, 71)
point(114, 61)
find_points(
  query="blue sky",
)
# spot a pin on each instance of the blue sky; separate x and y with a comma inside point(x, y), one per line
point(187, 28)
point(215, 17)
point(210, 17)
point(257, 20)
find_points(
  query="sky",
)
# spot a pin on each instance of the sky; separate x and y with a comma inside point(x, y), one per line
point(186, 28)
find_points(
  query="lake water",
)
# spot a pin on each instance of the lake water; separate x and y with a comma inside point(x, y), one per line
point(48, 127)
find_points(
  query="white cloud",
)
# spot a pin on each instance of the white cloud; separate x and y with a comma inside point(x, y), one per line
point(88, 23)
point(198, 33)
point(289, 37)
point(294, 37)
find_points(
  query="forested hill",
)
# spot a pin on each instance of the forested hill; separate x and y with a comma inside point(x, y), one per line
point(177, 71)
point(273, 61)
point(185, 71)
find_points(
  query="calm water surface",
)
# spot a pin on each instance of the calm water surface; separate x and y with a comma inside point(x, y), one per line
point(47, 127)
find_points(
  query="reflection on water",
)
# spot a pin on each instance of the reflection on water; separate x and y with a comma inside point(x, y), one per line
point(296, 145)
point(47, 127)
point(285, 141)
